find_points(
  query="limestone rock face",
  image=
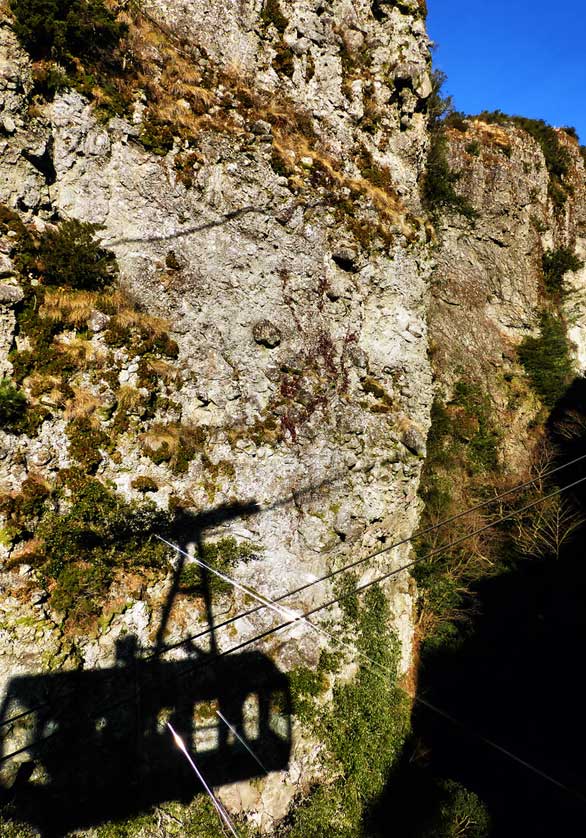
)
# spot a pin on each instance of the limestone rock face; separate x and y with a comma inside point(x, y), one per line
point(359, 77)
point(488, 286)
point(302, 351)
point(281, 243)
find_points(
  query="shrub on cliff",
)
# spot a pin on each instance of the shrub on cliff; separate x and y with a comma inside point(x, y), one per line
point(439, 185)
point(556, 263)
point(80, 550)
point(546, 359)
point(12, 404)
point(65, 28)
point(70, 256)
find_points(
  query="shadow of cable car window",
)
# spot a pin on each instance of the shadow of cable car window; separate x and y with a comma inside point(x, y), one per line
point(80, 748)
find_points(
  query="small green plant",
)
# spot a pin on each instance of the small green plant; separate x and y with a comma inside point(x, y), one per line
point(460, 814)
point(171, 261)
point(23, 510)
point(86, 443)
point(83, 542)
point(556, 263)
point(547, 360)
point(271, 13)
point(457, 120)
point(283, 62)
point(144, 484)
point(11, 222)
point(473, 148)
point(156, 135)
point(174, 444)
point(12, 404)
point(222, 555)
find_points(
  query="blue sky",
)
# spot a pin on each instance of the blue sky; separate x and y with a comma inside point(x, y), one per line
point(525, 57)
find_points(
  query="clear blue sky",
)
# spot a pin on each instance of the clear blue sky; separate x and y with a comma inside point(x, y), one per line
point(525, 57)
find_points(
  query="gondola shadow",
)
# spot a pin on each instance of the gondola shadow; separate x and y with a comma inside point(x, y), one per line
point(80, 748)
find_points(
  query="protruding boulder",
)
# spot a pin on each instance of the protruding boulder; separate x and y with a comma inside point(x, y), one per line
point(266, 333)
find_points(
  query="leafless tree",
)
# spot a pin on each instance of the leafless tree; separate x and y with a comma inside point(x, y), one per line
point(548, 527)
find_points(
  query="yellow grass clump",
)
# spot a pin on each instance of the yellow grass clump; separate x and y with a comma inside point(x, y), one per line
point(70, 307)
point(82, 404)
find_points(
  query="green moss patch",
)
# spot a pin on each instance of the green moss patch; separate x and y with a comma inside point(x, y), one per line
point(12, 404)
point(222, 555)
point(363, 731)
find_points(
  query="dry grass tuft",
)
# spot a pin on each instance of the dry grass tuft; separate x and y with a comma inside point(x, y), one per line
point(129, 317)
point(84, 353)
point(70, 307)
point(163, 370)
point(73, 308)
point(82, 405)
point(160, 436)
point(128, 398)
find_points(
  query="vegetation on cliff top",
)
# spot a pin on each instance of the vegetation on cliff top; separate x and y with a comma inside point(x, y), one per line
point(66, 29)
point(78, 44)
point(557, 157)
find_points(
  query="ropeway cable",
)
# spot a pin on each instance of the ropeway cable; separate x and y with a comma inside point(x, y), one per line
point(305, 615)
point(330, 603)
point(357, 563)
point(222, 813)
point(387, 671)
point(370, 556)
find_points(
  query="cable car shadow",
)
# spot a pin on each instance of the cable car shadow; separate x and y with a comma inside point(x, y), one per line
point(92, 746)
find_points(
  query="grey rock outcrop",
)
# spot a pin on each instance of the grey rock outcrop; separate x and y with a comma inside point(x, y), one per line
point(289, 423)
point(488, 286)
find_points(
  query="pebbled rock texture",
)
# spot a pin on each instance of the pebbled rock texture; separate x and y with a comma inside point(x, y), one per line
point(302, 348)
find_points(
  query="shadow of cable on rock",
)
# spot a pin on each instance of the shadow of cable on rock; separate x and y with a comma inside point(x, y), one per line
point(84, 747)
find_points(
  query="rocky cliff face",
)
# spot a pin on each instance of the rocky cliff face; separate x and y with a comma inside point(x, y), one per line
point(488, 284)
point(283, 248)
point(265, 367)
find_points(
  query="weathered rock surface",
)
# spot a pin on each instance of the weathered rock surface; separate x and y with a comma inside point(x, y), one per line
point(302, 331)
point(487, 285)
point(281, 315)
